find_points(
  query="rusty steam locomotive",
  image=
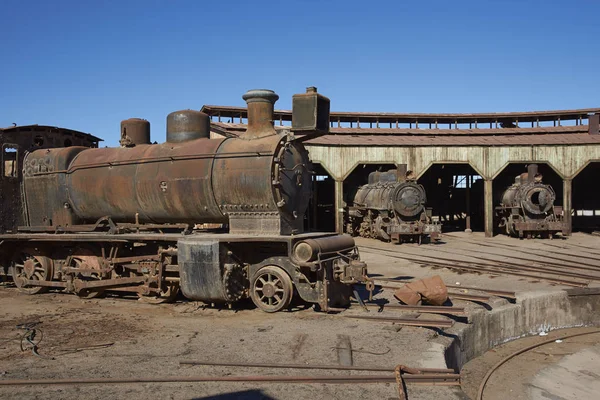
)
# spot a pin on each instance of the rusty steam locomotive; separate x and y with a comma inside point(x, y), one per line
point(122, 219)
point(391, 207)
point(527, 207)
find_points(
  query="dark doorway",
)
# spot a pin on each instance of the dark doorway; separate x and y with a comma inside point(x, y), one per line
point(320, 215)
point(586, 199)
point(455, 194)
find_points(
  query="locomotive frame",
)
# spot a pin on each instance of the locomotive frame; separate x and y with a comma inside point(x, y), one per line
point(121, 219)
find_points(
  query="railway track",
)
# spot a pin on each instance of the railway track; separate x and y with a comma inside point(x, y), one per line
point(556, 277)
point(545, 265)
point(531, 252)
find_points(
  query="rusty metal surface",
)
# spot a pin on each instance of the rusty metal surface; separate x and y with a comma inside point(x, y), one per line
point(134, 131)
point(186, 125)
point(310, 366)
point(420, 308)
point(15, 142)
point(433, 323)
point(161, 183)
point(422, 379)
point(310, 113)
point(260, 113)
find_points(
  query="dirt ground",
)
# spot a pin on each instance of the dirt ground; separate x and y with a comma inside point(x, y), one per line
point(124, 337)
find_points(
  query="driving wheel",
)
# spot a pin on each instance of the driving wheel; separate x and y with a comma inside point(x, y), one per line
point(30, 267)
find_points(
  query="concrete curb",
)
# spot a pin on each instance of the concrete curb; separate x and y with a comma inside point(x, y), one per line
point(532, 313)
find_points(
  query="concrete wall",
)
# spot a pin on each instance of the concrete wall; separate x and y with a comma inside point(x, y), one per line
point(532, 313)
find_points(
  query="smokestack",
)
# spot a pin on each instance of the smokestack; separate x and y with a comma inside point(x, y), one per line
point(532, 171)
point(261, 103)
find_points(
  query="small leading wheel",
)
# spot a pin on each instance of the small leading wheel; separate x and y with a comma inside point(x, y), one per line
point(29, 267)
point(167, 294)
point(271, 289)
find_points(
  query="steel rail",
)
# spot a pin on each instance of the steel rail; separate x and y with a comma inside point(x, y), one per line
point(584, 266)
point(531, 251)
point(470, 297)
point(452, 295)
point(493, 269)
point(309, 366)
point(493, 292)
point(521, 351)
point(507, 264)
point(581, 265)
point(444, 379)
point(499, 293)
point(573, 244)
point(428, 323)
point(421, 309)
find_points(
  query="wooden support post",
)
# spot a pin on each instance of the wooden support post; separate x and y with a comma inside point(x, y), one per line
point(568, 205)
point(488, 208)
point(468, 198)
point(339, 206)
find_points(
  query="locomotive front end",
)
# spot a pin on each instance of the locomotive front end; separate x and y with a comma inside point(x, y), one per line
point(528, 209)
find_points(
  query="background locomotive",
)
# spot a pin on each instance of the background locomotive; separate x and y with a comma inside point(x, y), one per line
point(527, 207)
point(121, 219)
point(391, 207)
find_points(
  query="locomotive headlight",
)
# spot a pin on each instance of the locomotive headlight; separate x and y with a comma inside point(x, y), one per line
point(304, 252)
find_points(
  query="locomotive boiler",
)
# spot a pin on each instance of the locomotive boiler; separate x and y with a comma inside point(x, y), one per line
point(527, 207)
point(122, 219)
point(391, 207)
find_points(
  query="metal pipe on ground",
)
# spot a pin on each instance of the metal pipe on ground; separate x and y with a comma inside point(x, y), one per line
point(427, 323)
point(308, 366)
point(440, 379)
point(421, 309)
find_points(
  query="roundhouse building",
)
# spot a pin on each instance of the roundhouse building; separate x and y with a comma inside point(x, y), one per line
point(465, 161)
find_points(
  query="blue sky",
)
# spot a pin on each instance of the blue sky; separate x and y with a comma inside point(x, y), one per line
point(87, 65)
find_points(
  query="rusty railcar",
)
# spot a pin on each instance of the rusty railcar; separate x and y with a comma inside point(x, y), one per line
point(528, 208)
point(122, 219)
point(391, 207)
